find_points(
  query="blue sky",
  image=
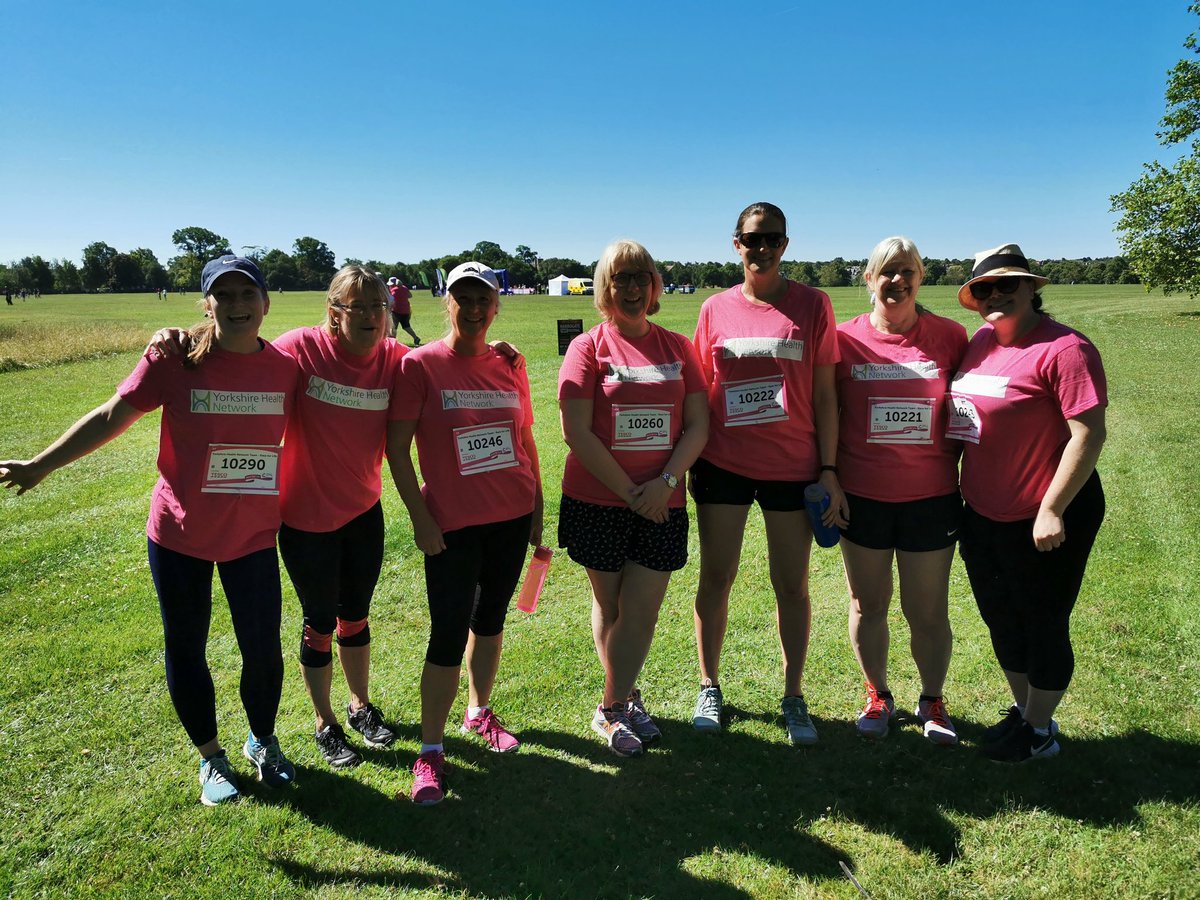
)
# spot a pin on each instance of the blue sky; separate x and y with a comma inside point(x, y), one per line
point(402, 130)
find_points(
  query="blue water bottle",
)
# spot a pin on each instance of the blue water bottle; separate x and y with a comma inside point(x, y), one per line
point(816, 501)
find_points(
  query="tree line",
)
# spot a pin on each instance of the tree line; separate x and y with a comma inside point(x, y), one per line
point(311, 264)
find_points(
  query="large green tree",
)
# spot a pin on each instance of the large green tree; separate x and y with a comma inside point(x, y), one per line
point(314, 261)
point(97, 265)
point(1159, 228)
point(200, 243)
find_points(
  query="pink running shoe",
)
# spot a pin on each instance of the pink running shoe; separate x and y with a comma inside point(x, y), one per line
point(488, 726)
point(429, 780)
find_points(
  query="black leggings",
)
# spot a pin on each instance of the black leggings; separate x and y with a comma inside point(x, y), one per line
point(184, 586)
point(1025, 596)
point(488, 556)
point(334, 573)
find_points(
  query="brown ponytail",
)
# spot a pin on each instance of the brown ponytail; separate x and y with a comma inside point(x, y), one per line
point(201, 338)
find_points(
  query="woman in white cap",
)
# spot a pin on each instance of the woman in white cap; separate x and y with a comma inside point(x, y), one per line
point(225, 404)
point(471, 414)
point(900, 474)
point(635, 416)
point(1028, 404)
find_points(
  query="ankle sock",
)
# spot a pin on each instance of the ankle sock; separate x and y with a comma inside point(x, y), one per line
point(431, 748)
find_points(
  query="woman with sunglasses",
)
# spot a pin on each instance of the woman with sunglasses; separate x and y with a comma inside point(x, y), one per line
point(635, 417)
point(1028, 404)
point(768, 348)
point(900, 475)
point(331, 539)
point(470, 412)
point(225, 401)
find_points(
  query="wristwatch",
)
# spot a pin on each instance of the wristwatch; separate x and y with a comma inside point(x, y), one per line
point(671, 480)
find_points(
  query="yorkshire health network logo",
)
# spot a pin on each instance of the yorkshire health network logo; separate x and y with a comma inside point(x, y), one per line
point(238, 403)
point(480, 400)
point(345, 396)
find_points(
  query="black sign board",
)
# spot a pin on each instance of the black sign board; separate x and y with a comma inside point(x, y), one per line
point(567, 330)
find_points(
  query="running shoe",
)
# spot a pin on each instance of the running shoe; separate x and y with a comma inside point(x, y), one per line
point(488, 726)
point(1011, 720)
point(709, 703)
point(429, 778)
point(639, 720)
point(873, 720)
point(613, 725)
point(217, 781)
point(331, 741)
point(938, 727)
point(368, 722)
point(274, 770)
point(800, 728)
point(1022, 744)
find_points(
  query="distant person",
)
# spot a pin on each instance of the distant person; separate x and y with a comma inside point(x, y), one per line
point(1028, 404)
point(900, 475)
point(471, 414)
point(402, 308)
point(635, 417)
point(216, 502)
point(768, 348)
point(8, 296)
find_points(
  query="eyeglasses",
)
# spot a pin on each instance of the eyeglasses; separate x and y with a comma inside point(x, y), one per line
point(623, 279)
point(755, 239)
point(981, 290)
point(361, 309)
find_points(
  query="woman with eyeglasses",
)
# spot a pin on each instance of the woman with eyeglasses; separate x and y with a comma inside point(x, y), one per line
point(470, 412)
point(331, 539)
point(900, 475)
point(768, 348)
point(1028, 404)
point(635, 417)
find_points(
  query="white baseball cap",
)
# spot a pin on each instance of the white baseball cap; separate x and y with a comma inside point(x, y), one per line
point(476, 270)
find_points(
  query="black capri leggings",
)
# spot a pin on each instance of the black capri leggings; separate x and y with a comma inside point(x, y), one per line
point(334, 573)
point(490, 556)
point(1025, 596)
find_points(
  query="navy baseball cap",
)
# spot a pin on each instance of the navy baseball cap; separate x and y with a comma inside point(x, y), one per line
point(223, 265)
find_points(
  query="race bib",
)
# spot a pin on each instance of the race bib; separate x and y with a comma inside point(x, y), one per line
point(754, 401)
point(964, 424)
point(241, 469)
point(485, 448)
point(897, 420)
point(646, 427)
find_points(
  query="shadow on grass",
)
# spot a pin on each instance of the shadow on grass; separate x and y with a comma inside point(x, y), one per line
point(573, 820)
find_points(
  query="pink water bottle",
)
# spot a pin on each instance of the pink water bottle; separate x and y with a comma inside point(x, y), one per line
point(535, 577)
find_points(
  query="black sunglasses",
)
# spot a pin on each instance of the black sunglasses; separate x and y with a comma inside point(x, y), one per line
point(755, 239)
point(981, 290)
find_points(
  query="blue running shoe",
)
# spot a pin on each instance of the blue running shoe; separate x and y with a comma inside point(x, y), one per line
point(217, 781)
point(274, 770)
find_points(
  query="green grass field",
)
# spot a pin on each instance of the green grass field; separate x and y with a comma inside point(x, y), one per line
point(98, 787)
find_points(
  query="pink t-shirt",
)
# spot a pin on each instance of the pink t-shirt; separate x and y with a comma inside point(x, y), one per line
point(1009, 406)
point(333, 449)
point(637, 386)
point(470, 411)
point(217, 496)
point(892, 443)
point(758, 360)
point(401, 296)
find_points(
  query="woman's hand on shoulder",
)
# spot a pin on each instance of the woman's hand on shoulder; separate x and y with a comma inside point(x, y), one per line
point(167, 342)
point(516, 358)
